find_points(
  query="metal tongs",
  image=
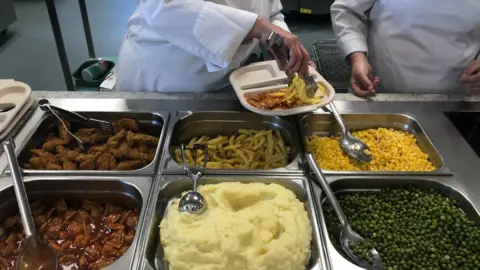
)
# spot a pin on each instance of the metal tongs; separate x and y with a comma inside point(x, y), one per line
point(279, 50)
point(193, 202)
point(91, 122)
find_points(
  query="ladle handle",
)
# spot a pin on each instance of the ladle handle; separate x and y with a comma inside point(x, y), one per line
point(20, 193)
point(326, 188)
point(338, 117)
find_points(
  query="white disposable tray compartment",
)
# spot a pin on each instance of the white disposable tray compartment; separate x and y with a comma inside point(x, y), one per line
point(12, 92)
point(266, 77)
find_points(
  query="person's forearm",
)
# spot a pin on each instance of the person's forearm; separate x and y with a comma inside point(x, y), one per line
point(260, 30)
point(279, 20)
point(357, 56)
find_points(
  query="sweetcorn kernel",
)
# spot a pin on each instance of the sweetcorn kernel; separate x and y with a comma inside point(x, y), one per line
point(391, 150)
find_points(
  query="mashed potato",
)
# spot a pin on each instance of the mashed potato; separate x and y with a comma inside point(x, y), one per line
point(246, 227)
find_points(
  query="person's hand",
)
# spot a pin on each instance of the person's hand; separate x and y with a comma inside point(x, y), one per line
point(298, 59)
point(362, 82)
point(471, 77)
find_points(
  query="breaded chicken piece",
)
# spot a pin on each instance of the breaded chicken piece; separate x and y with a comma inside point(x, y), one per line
point(104, 149)
point(135, 154)
point(117, 138)
point(130, 165)
point(42, 163)
point(126, 123)
point(88, 164)
point(52, 144)
point(71, 155)
point(120, 151)
point(96, 138)
point(53, 166)
point(143, 148)
point(98, 148)
point(41, 153)
point(85, 132)
point(134, 138)
point(60, 149)
point(84, 157)
point(37, 163)
point(106, 161)
point(68, 164)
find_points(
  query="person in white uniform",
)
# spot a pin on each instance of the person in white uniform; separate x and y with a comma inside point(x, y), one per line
point(193, 45)
point(409, 46)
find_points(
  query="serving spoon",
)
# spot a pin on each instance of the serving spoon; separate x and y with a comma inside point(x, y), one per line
point(35, 254)
point(193, 202)
point(347, 235)
point(351, 145)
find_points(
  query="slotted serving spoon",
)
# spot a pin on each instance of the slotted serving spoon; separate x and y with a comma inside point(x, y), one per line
point(347, 235)
point(35, 254)
point(351, 145)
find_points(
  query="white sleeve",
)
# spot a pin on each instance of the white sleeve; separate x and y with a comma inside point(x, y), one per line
point(277, 17)
point(210, 31)
point(350, 24)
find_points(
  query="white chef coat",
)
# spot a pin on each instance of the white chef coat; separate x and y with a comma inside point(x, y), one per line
point(415, 46)
point(189, 45)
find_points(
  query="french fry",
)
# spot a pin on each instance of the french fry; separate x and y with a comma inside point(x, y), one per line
point(201, 140)
point(232, 140)
point(248, 149)
point(192, 142)
point(222, 151)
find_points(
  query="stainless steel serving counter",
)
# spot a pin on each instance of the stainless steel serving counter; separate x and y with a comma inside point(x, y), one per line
point(459, 163)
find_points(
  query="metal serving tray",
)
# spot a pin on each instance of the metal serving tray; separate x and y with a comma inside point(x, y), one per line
point(325, 125)
point(150, 123)
point(445, 185)
point(150, 253)
point(128, 192)
point(186, 125)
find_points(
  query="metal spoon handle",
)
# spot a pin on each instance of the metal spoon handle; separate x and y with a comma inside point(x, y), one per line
point(326, 188)
point(338, 117)
point(19, 188)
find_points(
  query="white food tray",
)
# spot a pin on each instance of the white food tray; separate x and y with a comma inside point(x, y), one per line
point(14, 92)
point(266, 77)
point(17, 119)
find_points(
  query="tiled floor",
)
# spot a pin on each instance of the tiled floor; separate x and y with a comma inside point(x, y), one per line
point(28, 52)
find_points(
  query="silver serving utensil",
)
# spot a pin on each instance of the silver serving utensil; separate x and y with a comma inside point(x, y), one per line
point(91, 122)
point(35, 254)
point(347, 235)
point(5, 107)
point(45, 106)
point(280, 52)
point(351, 146)
point(193, 202)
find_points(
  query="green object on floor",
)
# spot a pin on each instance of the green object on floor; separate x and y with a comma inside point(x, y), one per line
point(93, 86)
